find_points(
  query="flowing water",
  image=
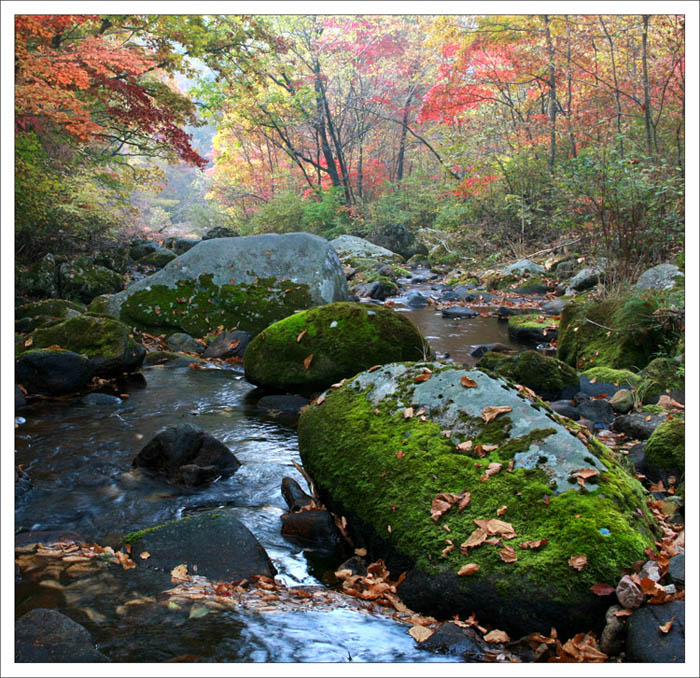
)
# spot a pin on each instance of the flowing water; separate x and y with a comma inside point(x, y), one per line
point(78, 454)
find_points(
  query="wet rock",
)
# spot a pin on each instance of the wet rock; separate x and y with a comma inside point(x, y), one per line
point(585, 279)
point(101, 400)
point(676, 569)
point(622, 401)
point(341, 338)
point(294, 496)
point(170, 358)
point(180, 342)
point(397, 238)
point(565, 408)
point(629, 594)
point(22, 482)
point(348, 444)
point(554, 307)
point(228, 345)
point(379, 289)
point(56, 309)
point(602, 381)
point(450, 639)
point(220, 232)
point(52, 372)
point(636, 425)
point(314, 529)
point(47, 636)
point(82, 280)
point(33, 537)
point(175, 452)
point(215, 544)
point(20, 399)
point(528, 329)
point(142, 248)
point(356, 565)
point(415, 299)
point(481, 349)
point(459, 312)
point(646, 643)
point(613, 635)
point(661, 277)
point(598, 411)
point(288, 405)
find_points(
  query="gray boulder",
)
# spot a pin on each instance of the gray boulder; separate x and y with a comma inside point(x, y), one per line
point(228, 345)
point(646, 643)
point(585, 279)
point(351, 247)
point(459, 312)
point(524, 266)
point(82, 280)
point(414, 299)
point(249, 282)
point(214, 544)
point(661, 277)
point(184, 343)
point(637, 425)
point(41, 280)
point(47, 636)
point(141, 248)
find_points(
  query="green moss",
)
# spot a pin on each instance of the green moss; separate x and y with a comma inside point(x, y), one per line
point(660, 375)
point(344, 338)
point(500, 281)
point(666, 446)
point(99, 305)
point(199, 307)
point(385, 490)
point(90, 336)
point(546, 376)
point(159, 258)
point(653, 409)
point(56, 308)
point(612, 376)
point(530, 321)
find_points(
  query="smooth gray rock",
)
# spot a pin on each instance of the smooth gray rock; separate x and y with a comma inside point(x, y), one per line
point(676, 569)
point(554, 307)
point(184, 343)
point(661, 277)
point(636, 425)
point(646, 643)
point(228, 345)
point(453, 640)
point(524, 266)
point(350, 247)
point(585, 279)
point(296, 257)
point(459, 312)
point(414, 299)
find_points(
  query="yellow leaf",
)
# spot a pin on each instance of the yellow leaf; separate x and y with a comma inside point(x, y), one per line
point(408, 413)
point(180, 572)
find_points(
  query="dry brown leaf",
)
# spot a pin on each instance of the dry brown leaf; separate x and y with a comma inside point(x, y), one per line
point(502, 510)
point(669, 403)
point(497, 528)
point(623, 613)
point(491, 412)
point(442, 503)
point(307, 360)
point(373, 368)
point(507, 554)
point(361, 552)
point(582, 648)
point(602, 589)
point(476, 538)
point(408, 413)
point(423, 377)
point(300, 336)
point(28, 342)
point(466, 446)
point(468, 569)
point(468, 383)
point(578, 562)
point(180, 572)
point(464, 501)
point(447, 549)
point(489, 447)
point(497, 636)
point(665, 628)
point(420, 633)
point(535, 544)
point(492, 469)
point(144, 555)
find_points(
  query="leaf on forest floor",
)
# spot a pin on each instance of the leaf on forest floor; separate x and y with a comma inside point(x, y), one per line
point(420, 633)
point(578, 562)
point(300, 336)
point(497, 636)
point(468, 383)
point(307, 360)
point(468, 569)
point(535, 544)
point(492, 411)
point(442, 503)
point(507, 554)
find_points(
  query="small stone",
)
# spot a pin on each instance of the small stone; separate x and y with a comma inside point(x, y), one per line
point(676, 569)
point(629, 594)
point(650, 570)
point(611, 638)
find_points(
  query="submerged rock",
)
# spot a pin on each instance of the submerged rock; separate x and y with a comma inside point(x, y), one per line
point(186, 455)
point(228, 345)
point(52, 372)
point(215, 544)
point(47, 636)
point(311, 350)
point(459, 312)
point(247, 282)
point(313, 529)
point(349, 443)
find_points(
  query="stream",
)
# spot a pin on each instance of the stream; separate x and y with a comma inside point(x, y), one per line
point(78, 453)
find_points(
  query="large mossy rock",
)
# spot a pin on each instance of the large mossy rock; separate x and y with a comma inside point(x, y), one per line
point(548, 377)
point(351, 248)
point(665, 448)
point(82, 280)
point(311, 350)
point(247, 282)
point(381, 465)
point(104, 341)
point(593, 334)
point(45, 313)
point(214, 544)
point(159, 258)
point(40, 280)
point(532, 328)
point(662, 375)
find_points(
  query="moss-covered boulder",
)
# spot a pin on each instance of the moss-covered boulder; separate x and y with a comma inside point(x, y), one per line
point(608, 375)
point(665, 448)
point(29, 317)
point(532, 329)
point(52, 372)
point(82, 280)
point(104, 341)
point(246, 283)
point(40, 280)
point(595, 333)
point(383, 447)
point(214, 544)
point(311, 350)
point(550, 378)
point(159, 258)
point(661, 375)
point(351, 250)
point(171, 359)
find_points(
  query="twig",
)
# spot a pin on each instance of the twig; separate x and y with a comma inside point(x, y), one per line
point(588, 320)
point(309, 482)
point(549, 249)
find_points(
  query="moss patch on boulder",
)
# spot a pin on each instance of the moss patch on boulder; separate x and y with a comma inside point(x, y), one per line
point(350, 444)
point(198, 307)
point(342, 339)
point(81, 280)
point(665, 449)
point(661, 375)
point(56, 308)
point(612, 376)
point(548, 377)
point(532, 328)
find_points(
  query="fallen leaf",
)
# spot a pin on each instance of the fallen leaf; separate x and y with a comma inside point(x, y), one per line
point(602, 589)
point(491, 412)
point(497, 636)
point(423, 377)
point(373, 368)
point(468, 569)
point(592, 381)
point(28, 342)
point(535, 544)
point(420, 633)
point(578, 562)
point(466, 446)
point(144, 555)
point(476, 538)
point(180, 572)
point(400, 454)
point(489, 447)
point(442, 503)
point(388, 529)
point(468, 383)
point(361, 552)
point(492, 469)
point(447, 549)
point(301, 335)
point(665, 628)
point(497, 528)
point(623, 613)
point(307, 360)
point(507, 554)
point(669, 403)
point(408, 413)
point(464, 501)
point(502, 510)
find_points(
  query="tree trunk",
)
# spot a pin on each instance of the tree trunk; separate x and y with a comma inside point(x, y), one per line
point(402, 139)
point(645, 76)
point(617, 89)
point(552, 98)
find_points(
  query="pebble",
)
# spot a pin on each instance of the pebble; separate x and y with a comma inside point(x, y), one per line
point(629, 594)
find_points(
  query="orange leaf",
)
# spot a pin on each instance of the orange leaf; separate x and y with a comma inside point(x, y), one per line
point(442, 503)
point(374, 367)
point(593, 381)
point(602, 589)
point(578, 562)
point(536, 544)
point(301, 335)
point(491, 412)
point(400, 454)
point(468, 383)
point(28, 342)
point(447, 549)
point(507, 554)
point(307, 360)
point(423, 377)
point(665, 628)
point(501, 510)
point(144, 555)
point(469, 569)
point(464, 501)
point(497, 636)
point(476, 538)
